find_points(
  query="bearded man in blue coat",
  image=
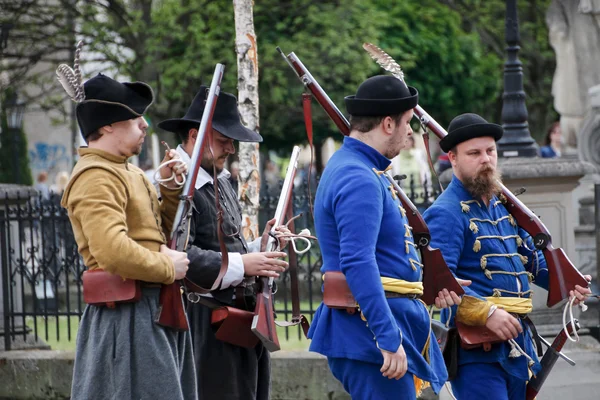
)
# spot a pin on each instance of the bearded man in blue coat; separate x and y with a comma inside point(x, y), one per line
point(386, 349)
point(481, 241)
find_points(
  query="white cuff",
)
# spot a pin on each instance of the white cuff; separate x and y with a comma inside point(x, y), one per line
point(492, 309)
point(235, 271)
point(254, 246)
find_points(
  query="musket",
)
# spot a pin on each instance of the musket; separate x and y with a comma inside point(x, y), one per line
point(436, 274)
point(263, 323)
point(549, 359)
point(563, 276)
point(171, 312)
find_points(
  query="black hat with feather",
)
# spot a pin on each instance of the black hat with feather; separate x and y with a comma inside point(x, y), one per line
point(102, 100)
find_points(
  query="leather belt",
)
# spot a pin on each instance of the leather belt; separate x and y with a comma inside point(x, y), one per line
point(394, 295)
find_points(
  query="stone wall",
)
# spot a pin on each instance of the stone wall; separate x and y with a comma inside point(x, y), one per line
point(46, 374)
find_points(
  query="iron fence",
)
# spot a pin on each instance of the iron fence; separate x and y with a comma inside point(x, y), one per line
point(41, 287)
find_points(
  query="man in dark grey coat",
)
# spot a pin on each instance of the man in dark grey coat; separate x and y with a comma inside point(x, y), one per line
point(225, 371)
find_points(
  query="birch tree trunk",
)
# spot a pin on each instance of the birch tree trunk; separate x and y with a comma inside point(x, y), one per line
point(247, 62)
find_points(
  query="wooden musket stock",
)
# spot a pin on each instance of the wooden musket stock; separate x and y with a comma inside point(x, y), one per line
point(171, 312)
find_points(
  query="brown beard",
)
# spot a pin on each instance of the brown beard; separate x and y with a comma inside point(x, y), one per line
point(485, 184)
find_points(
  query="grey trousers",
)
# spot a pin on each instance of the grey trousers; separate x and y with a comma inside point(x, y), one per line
point(122, 353)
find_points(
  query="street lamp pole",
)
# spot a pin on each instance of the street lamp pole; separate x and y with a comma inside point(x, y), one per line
point(517, 141)
point(14, 112)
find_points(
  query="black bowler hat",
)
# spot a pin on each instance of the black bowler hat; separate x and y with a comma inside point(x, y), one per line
point(226, 119)
point(469, 126)
point(380, 96)
point(108, 101)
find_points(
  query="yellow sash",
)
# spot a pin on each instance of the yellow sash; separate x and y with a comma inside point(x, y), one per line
point(401, 286)
point(517, 305)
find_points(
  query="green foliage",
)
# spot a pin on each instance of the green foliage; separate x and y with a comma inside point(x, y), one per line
point(486, 19)
point(451, 51)
point(13, 149)
point(448, 66)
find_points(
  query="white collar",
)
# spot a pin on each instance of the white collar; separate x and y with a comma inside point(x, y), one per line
point(203, 176)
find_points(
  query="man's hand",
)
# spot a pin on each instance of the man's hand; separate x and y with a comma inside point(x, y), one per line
point(177, 168)
point(264, 264)
point(395, 364)
point(281, 229)
point(180, 261)
point(504, 325)
point(447, 299)
point(581, 292)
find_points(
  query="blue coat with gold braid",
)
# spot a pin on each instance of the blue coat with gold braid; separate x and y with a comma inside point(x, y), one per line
point(485, 245)
point(364, 233)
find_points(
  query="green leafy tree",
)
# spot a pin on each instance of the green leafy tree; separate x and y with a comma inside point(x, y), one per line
point(487, 19)
point(448, 66)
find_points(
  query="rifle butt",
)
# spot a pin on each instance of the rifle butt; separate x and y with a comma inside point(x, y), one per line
point(171, 313)
point(531, 393)
point(436, 276)
point(562, 275)
point(263, 322)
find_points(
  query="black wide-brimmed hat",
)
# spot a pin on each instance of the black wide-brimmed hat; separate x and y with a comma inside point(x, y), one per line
point(381, 95)
point(226, 119)
point(108, 101)
point(469, 126)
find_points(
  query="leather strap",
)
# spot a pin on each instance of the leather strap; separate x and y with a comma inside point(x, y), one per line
point(297, 318)
point(306, 97)
point(224, 253)
point(536, 338)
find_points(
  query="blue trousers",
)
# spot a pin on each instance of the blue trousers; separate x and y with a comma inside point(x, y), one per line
point(487, 381)
point(364, 381)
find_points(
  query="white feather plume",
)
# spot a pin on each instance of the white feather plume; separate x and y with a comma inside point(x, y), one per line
point(70, 79)
point(384, 60)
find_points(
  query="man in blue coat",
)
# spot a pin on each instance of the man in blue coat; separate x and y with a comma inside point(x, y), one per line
point(386, 349)
point(481, 242)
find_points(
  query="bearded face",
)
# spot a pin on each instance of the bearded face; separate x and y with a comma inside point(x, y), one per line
point(474, 163)
point(484, 183)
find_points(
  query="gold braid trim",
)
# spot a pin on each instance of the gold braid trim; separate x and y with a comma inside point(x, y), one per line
point(498, 293)
point(414, 264)
point(408, 230)
point(464, 205)
point(402, 211)
point(497, 202)
point(485, 257)
point(477, 244)
point(379, 173)
point(473, 311)
point(473, 227)
point(393, 191)
point(502, 198)
point(408, 243)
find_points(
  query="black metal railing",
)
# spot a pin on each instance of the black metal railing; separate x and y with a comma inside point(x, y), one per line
point(41, 268)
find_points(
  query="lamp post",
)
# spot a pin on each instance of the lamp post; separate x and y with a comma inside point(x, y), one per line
point(517, 141)
point(14, 114)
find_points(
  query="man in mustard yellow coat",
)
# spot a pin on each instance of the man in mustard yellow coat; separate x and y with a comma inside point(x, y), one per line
point(120, 226)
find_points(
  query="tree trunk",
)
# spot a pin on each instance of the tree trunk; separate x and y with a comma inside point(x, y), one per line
point(247, 62)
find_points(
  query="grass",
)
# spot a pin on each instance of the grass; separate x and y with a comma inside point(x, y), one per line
point(59, 340)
